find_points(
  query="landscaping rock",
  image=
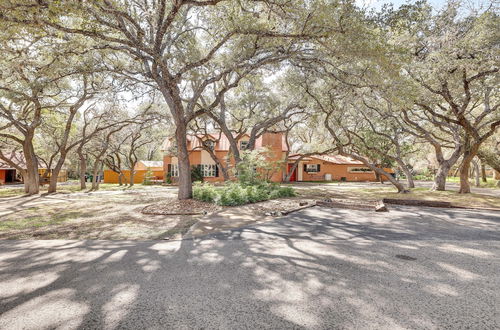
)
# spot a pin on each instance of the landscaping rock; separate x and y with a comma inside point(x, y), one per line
point(380, 207)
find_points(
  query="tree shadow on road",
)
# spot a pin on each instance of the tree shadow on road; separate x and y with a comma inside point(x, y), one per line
point(314, 269)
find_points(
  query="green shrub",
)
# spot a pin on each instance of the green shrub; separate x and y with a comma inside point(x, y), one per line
point(274, 194)
point(206, 193)
point(255, 167)
point(237, 194)
point(286, 192)
point(196, 173)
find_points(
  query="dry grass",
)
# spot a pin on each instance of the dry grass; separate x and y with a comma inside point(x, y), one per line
point(70, 187)
point(87, 217)
point(377, 193)
point(118, 215)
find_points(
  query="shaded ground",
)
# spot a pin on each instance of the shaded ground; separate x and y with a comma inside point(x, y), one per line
point(13, 190)
point(484, 197)
point(318, 268)
point(116, 213)
point(99, 215)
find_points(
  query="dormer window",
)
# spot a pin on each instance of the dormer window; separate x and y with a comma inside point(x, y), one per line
point(210, 144)
point(243, 145)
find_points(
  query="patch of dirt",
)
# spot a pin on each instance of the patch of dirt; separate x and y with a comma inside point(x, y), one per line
point(89, 216)
point(173, 206)
point(352, 204)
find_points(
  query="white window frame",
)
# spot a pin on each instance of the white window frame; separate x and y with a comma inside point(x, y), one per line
point(241, 145)
point(359, 169)
point(309, 168)
point(208, 170)
point(174, 170)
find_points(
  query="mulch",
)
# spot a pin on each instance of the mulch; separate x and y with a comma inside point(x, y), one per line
point(173, 206)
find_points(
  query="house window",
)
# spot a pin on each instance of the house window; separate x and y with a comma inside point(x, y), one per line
point(312, 168)
point(174, 170)
point(359, 170)
point(209, 144)
point(243, 145)
point(208, 170)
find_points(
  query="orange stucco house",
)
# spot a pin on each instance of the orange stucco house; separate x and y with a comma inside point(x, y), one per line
point(331, 168)
point(219, 143)
point(140, 171)
point(312, 168)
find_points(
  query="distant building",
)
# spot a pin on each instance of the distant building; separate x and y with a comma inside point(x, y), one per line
point(153, 165)
point(10, 174)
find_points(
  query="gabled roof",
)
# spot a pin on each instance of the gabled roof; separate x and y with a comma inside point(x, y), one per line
point(152, 163)
point(16, 157)
point(334, 159)
point(222, 141)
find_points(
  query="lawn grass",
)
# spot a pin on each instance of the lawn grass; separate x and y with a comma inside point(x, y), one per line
point(490, 182)
point(38, 217)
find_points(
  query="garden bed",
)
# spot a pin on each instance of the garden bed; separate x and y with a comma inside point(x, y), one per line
point(174, 206)
point(233, 194)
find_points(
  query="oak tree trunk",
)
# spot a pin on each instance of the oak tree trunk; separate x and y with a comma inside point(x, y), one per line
point(441, 174)
point(31, 179)
point(184, 179)
point(132, 175)
point(98, 166)
point(483, 172)
point(55, 173)
point(379, 172)
point(477, 174)
point(83, 170)
point(464, 174)
point(409, 177)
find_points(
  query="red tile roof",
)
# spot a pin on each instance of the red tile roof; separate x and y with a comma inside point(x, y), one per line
point(222, 141)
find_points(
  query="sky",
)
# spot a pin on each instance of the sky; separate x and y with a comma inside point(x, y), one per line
point(436, 4)
point(377, 4)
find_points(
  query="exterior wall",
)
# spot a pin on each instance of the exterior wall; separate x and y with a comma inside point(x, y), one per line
point(3, 174)
point(338, 171)
point(112, 177)
point(273, 141)
point(62, 177)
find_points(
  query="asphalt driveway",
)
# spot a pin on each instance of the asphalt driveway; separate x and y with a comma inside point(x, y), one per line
point(319, 268)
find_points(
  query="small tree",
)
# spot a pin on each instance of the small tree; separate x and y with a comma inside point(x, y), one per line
point(148, 177)
point(255, 167)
